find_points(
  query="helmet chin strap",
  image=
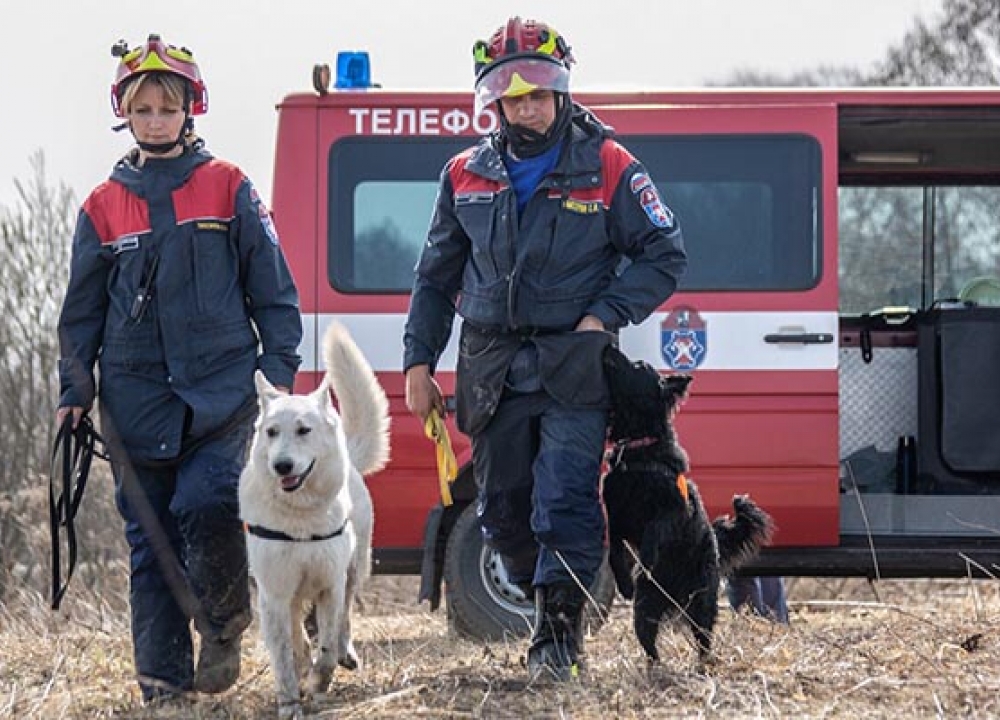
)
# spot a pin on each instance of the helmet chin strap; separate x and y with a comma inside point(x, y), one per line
point(525, 142)
point(164, 147)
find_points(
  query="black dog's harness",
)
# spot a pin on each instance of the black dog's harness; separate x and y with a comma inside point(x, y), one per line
point(616, 461)
point(72, 454)
point(268, 534)
point(616, 457)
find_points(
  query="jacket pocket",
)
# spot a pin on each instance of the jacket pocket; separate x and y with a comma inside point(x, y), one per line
point(476, 214)
point(572, 369)
point(220, 346)
point(215, 267)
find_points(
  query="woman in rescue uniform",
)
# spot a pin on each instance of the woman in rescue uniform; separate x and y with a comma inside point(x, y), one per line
point(526, 244)
point(178, 292)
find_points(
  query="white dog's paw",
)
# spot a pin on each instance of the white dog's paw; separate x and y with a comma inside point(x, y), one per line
point(291, 710)
point(347, 658)
point(319, 678)
point(346, 655)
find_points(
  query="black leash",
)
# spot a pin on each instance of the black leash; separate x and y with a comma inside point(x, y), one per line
point(72, 454)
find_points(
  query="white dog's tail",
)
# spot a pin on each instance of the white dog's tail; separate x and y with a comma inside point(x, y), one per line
point(364, 407)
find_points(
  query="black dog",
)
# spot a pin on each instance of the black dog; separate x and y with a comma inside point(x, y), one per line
point(657, 511)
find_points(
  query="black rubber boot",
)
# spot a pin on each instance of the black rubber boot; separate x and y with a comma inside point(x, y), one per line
point(557, 639)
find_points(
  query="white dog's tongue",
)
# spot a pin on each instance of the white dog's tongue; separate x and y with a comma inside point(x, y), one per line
point(291, 482)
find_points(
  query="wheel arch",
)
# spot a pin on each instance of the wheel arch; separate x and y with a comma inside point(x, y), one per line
point(440, 522)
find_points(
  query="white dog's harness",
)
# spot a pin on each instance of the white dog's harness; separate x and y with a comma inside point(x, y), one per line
point(268, 534)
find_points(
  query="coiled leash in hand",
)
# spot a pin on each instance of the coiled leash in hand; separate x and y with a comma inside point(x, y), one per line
point(447, 464)
point(72, 454)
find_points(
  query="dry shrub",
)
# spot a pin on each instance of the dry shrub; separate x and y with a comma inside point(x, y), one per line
point(25, 543)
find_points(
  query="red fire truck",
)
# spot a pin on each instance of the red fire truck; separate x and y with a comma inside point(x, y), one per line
point(839, 315)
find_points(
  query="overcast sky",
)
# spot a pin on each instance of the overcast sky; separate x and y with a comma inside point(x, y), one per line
point(56, 67)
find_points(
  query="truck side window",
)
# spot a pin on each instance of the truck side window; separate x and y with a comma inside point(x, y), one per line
point(751, 200)
point(380, 198)
point(748, 206)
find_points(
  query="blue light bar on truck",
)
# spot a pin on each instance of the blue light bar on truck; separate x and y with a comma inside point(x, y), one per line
point(354, 70)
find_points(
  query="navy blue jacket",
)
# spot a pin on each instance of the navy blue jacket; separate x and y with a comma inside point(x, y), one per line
point(562, 260)
point(191, 235)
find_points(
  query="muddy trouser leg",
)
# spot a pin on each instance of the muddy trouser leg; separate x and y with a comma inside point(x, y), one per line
point(537, 464)
point(502, 455)
point(207, 510)
point(161, 635)
point(567, 516)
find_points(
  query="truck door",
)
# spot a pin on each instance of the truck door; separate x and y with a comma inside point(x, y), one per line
point(755, 319)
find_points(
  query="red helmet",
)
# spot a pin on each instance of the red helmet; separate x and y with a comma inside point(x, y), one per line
point(522, 56)
point(156, 56)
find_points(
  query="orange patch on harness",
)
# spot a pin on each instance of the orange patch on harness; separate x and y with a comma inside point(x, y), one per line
point(682, 485)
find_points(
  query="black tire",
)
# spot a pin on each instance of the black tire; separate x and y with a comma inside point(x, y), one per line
point(483, 604)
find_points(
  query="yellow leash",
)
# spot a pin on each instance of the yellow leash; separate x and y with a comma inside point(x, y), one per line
point(447, 464)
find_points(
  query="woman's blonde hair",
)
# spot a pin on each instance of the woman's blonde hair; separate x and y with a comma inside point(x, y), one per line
point(174, 88)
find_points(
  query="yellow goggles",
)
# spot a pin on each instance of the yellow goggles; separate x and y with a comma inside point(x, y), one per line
point(520, 76)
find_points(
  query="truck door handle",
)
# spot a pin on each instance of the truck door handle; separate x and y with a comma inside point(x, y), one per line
point(800, 338)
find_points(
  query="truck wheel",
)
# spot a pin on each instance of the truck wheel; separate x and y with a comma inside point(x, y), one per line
point(482, 602)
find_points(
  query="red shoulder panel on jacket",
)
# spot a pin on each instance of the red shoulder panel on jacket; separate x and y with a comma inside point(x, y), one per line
point(115, 212)
point(615, 159)
point(209, 193)
point(462, 181)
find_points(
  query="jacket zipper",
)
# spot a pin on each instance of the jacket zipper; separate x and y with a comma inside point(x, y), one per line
point(512, 221)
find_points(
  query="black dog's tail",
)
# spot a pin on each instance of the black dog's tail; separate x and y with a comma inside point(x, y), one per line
point(741, 537)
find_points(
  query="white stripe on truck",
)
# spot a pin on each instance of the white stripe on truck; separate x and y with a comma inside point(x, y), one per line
point(734, 340)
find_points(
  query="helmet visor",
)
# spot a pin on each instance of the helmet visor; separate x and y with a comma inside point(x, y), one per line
point(519, 76)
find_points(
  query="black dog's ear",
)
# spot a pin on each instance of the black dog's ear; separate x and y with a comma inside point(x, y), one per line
point(675, 387)
point(680, 381)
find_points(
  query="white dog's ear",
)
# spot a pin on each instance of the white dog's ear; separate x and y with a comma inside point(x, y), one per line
point(265, 390)
point(321, 395)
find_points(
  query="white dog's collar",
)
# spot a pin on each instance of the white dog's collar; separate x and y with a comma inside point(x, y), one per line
point(267, 534)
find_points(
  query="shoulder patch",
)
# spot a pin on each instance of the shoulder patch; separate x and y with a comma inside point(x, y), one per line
point(656, 210)
point(639, 182)
point(266, 221)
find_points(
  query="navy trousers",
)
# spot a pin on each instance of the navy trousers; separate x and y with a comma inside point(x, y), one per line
point(537, 465)
point(187, 557)
point(765, 596)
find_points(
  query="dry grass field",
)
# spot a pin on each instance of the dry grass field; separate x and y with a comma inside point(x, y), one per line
point(898, 649)
point(893, 649)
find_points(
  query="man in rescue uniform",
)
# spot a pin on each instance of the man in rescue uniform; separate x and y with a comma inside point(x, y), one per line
point(527, 242)
point(178, 289)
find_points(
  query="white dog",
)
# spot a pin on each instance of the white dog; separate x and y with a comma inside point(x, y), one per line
point(309, 515)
